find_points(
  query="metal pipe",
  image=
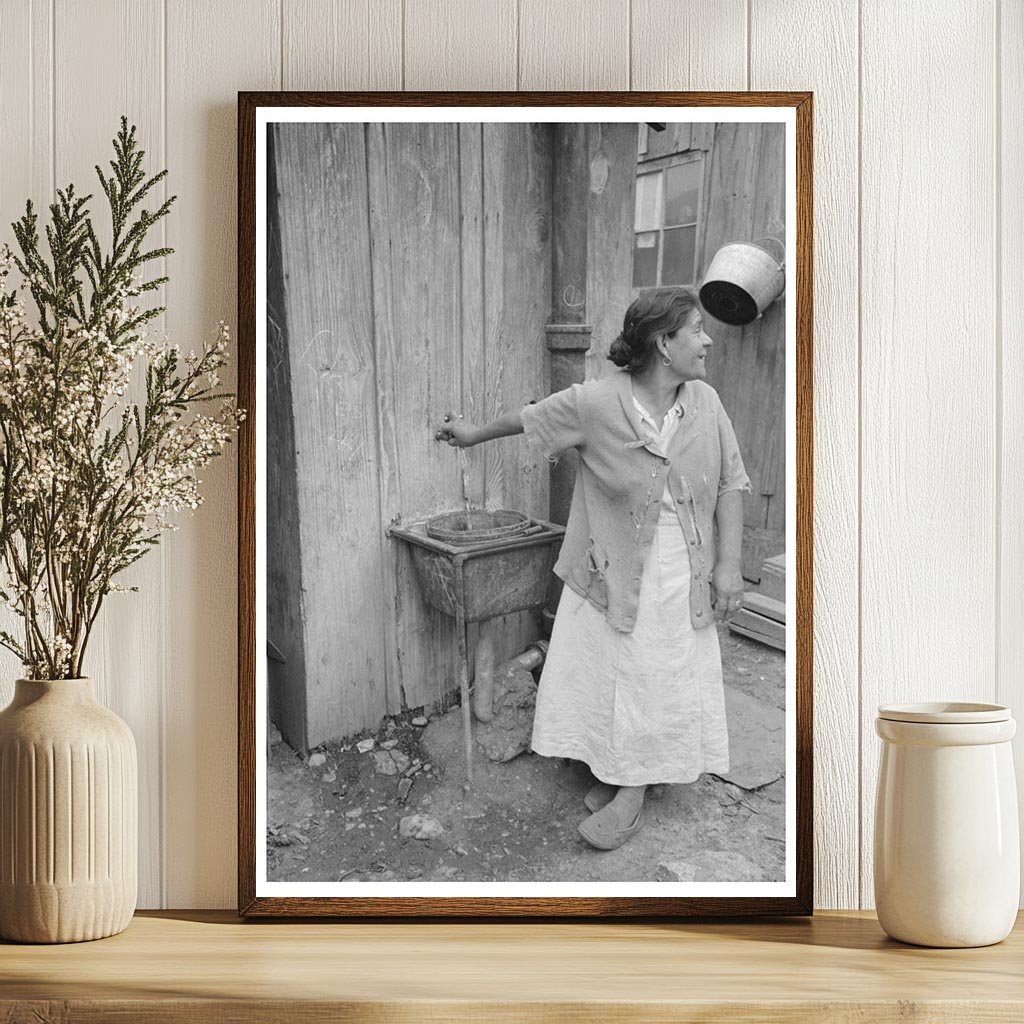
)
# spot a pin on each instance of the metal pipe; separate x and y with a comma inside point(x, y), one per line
point(567, 332)
point(533, 657)
point(484, 675)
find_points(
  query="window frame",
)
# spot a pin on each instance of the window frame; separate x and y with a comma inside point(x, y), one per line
point(661, 165)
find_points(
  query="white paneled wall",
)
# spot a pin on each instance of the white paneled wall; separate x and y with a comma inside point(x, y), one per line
point(831, 71)
point(1008, 273)
point(919, 301)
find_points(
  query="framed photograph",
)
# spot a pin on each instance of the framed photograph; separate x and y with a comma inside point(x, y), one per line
point(525, 501)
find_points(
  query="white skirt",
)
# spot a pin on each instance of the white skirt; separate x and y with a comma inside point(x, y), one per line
point(643, 707)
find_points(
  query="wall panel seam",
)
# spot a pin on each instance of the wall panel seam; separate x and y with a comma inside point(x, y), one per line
point(519, 55)
point(749, 43)
point(859, 866)
point(382, 513)
point(484, 403)
point(162, 708)
point(31, 90)
point(462, 296)
point(997, 233)
point(53, 97)
point(30, 71)
point(629, 36)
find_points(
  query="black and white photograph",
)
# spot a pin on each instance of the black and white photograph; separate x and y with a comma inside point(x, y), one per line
point(526, 500)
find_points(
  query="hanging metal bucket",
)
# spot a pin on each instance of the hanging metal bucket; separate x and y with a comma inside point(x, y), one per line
point(744, 279)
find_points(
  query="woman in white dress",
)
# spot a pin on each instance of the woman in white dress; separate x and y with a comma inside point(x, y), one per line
point(632, 685)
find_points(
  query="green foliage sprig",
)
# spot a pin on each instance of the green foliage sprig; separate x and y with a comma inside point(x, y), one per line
point(89, 477)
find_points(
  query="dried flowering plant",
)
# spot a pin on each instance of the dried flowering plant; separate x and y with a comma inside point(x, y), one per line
point(89, 477)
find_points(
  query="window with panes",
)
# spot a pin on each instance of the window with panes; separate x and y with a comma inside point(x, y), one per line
point(665, 224)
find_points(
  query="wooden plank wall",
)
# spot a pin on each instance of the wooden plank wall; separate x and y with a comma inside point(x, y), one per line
point(832, 71)
point(329, 324)
point(512, 367)
point(216, 44)
point(930, 458)
point(409, 292)
point(610, 230)
point(743, 200)
point(130, 33)
point(414, 229)
point(917, 316)
point(1008, 272)
point(286, 663)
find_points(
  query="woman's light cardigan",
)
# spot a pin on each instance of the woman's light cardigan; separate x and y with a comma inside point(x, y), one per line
point(620, 482)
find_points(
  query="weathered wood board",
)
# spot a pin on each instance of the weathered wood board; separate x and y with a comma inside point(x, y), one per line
point(759, 627)
point(287, 677)
point(517, 168)
point(421, 292)
point(330, 316)
point(416, 259)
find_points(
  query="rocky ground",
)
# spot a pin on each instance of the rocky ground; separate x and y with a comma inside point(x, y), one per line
point(392, 806)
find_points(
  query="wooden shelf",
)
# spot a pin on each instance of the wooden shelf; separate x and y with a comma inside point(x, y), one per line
point(209, 966)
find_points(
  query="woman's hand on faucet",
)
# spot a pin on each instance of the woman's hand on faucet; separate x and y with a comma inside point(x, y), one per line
point(456, 432)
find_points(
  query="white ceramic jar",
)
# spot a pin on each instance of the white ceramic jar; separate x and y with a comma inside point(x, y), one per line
point(947, 847)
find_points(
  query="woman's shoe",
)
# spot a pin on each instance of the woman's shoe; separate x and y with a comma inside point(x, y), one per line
point(604, 831)
point(598, 795)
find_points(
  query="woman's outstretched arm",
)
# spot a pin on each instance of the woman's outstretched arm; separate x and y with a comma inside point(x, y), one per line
point(460, 433)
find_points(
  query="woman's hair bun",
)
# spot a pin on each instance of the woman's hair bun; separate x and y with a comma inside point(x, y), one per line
point(619, 352)
point(655, 313)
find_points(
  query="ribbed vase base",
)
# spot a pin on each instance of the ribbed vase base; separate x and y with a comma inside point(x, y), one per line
point(68, 815)
point(63, 913)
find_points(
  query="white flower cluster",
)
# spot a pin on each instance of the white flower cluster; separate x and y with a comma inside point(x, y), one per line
point(93, 466)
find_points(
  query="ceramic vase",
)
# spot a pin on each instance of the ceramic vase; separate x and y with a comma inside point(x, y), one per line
point(947, 847)
point(68, 815)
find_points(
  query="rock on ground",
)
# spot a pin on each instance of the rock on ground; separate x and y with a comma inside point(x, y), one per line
point(390, 761)
point(508, 734)
point(676, 871)
point(384, 763)
point(711, 866)
point(420, 826)
point(757, 741)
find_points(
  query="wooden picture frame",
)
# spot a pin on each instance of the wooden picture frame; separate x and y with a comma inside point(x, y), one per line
point(257, 897)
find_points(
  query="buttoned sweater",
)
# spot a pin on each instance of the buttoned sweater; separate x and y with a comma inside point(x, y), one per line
point(620, 481)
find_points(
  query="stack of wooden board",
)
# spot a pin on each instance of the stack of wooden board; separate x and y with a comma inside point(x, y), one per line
point(763, 615)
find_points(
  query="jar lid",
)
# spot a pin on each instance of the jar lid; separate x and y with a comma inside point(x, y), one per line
point(945, 713)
